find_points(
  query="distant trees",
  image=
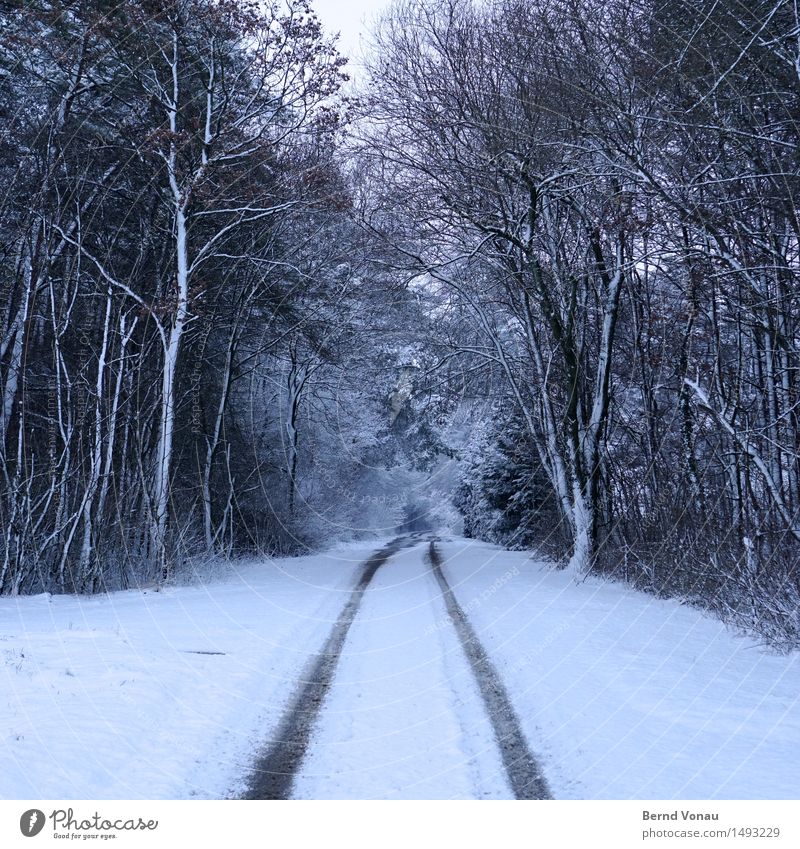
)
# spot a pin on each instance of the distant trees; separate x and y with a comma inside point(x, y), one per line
point(504, 494)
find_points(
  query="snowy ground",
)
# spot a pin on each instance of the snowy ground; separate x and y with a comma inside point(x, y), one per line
point(626, 696)
point(621, 695)
point(105, 698)
point(404, 717)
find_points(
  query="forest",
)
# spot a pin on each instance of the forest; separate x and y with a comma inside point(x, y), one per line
point(532, 276)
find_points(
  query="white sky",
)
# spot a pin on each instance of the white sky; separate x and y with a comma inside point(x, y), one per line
point(352, 19)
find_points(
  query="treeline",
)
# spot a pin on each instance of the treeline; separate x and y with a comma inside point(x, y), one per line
point(223, 330)
point(184, 317)
point(603, 197)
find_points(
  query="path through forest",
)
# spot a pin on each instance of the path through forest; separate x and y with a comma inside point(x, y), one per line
point(401, 701)
point(394, 669)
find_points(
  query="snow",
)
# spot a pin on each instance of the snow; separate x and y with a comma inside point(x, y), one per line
point(105, 697)
point(626, 696)
point(621, 695)
point(404, 719)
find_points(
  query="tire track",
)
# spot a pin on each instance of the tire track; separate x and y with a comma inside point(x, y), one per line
point(274, 772)
point(524, 773)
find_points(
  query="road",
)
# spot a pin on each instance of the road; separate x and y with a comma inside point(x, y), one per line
point(401, 701)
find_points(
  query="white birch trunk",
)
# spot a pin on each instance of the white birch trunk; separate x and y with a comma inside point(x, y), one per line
point(173, 346)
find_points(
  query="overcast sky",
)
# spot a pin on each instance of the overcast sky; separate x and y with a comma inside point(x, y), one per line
point(351, 18)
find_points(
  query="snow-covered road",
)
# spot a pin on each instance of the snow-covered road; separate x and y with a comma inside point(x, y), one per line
point(404, 718)
point(618, 694)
